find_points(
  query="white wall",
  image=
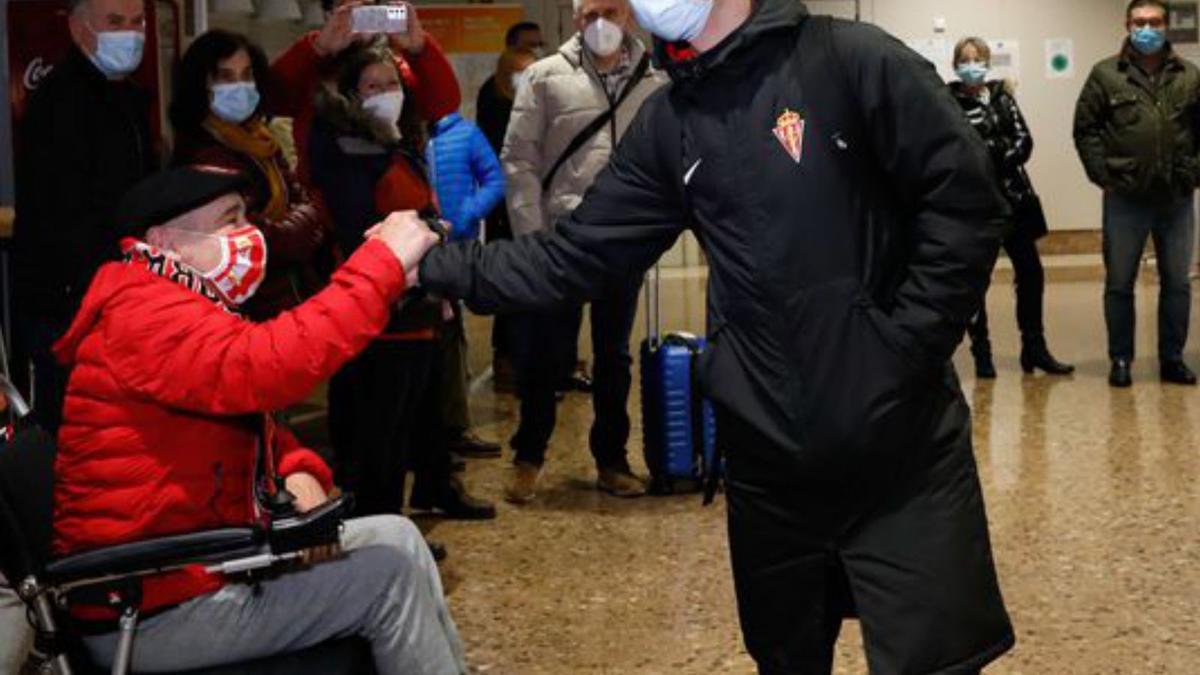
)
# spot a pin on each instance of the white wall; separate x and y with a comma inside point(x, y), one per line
point(1096, 26)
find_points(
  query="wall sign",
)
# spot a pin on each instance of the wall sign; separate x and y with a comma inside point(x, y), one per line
point(1185, 23)
point(1060, 59)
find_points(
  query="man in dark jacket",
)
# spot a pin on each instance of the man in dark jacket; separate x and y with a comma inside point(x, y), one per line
point(84, 142)
point(1136, 131)
point(492, 110)
point(851, 219)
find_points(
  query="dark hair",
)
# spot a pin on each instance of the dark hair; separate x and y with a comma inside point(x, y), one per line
point(1138, 4)
point(189, 106)
point(514, 32)
point(350, 66)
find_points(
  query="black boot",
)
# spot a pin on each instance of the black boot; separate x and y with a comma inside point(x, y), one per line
point(1035, 355)
point(1176, 372)
point(1121, 375)
point(437, 550)
point(984, 368)
point(468, 444)
point(452, 500)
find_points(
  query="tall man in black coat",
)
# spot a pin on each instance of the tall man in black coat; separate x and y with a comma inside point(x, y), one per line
point(85, 140)
point(851, 220)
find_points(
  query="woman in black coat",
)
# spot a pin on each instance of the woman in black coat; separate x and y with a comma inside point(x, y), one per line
point(992, 111)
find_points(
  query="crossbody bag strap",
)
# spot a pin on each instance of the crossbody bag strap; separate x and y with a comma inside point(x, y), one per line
point(597, 124)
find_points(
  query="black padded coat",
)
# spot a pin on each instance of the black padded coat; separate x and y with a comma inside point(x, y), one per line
point(851, 218)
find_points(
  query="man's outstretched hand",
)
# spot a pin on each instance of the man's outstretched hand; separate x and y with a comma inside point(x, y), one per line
point(410, 239)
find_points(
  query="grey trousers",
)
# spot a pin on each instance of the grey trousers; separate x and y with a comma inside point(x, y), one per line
point(386, 589)
point(16, 635)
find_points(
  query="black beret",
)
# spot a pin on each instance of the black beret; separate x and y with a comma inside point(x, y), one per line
point(172, 193)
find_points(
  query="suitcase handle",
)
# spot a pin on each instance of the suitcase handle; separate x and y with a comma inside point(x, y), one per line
point(653, 316)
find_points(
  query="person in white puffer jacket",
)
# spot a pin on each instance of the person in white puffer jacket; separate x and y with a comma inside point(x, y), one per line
point(570, 112)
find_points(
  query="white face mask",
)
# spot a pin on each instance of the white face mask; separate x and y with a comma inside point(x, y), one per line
point(519, 80)
point(673, 20)
point(386, 107)
point(603, 37)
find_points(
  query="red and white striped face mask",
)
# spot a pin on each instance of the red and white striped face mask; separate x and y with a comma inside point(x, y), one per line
point(243, 264)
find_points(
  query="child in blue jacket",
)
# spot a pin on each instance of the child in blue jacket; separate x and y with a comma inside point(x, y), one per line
point(469, 183)
point(465, 173)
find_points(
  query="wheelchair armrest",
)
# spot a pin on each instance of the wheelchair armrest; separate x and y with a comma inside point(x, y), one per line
point(158, 554)
point(319, 527)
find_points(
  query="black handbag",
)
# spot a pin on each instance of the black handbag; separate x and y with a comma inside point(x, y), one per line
point(1029, 217)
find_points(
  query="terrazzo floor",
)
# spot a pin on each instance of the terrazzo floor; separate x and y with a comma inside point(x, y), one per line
point(1093, 496)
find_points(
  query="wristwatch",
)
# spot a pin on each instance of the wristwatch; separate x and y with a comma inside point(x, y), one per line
point(435, 224)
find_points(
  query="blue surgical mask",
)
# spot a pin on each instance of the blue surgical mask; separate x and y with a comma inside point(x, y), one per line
point(972, 73)
point(673, 20)
point(235, 102)
point(118, 53)
point(1148, 40)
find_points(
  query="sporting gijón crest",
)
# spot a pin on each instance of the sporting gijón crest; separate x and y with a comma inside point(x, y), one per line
point(789, 129)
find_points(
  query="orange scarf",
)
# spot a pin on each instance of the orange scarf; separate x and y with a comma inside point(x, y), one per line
point(254, 140)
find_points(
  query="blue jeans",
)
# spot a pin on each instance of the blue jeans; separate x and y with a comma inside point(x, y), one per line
point(1127, 225)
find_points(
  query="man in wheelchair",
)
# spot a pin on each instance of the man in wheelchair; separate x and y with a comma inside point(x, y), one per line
point(167, 419)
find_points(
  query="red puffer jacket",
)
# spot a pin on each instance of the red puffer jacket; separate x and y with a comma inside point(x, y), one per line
point(159, 430)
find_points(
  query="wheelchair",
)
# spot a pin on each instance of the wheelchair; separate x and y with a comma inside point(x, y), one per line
point(113, 575)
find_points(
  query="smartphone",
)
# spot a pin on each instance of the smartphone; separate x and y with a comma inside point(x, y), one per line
point(379, 19)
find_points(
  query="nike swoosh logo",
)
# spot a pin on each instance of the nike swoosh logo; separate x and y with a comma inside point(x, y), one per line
point(687, 177)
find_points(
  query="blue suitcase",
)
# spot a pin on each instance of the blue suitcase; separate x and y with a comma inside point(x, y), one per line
point(679, 428)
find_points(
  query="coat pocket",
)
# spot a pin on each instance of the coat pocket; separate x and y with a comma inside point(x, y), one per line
point(1122, 173)
point(1186, 174)
point(1123, 110)
point(855, 388)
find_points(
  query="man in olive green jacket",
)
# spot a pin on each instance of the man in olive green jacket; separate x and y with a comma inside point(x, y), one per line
point(1136, 129)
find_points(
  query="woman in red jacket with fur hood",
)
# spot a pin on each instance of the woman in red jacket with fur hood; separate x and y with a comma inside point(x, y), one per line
point(168, 398)
point(384, 417)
